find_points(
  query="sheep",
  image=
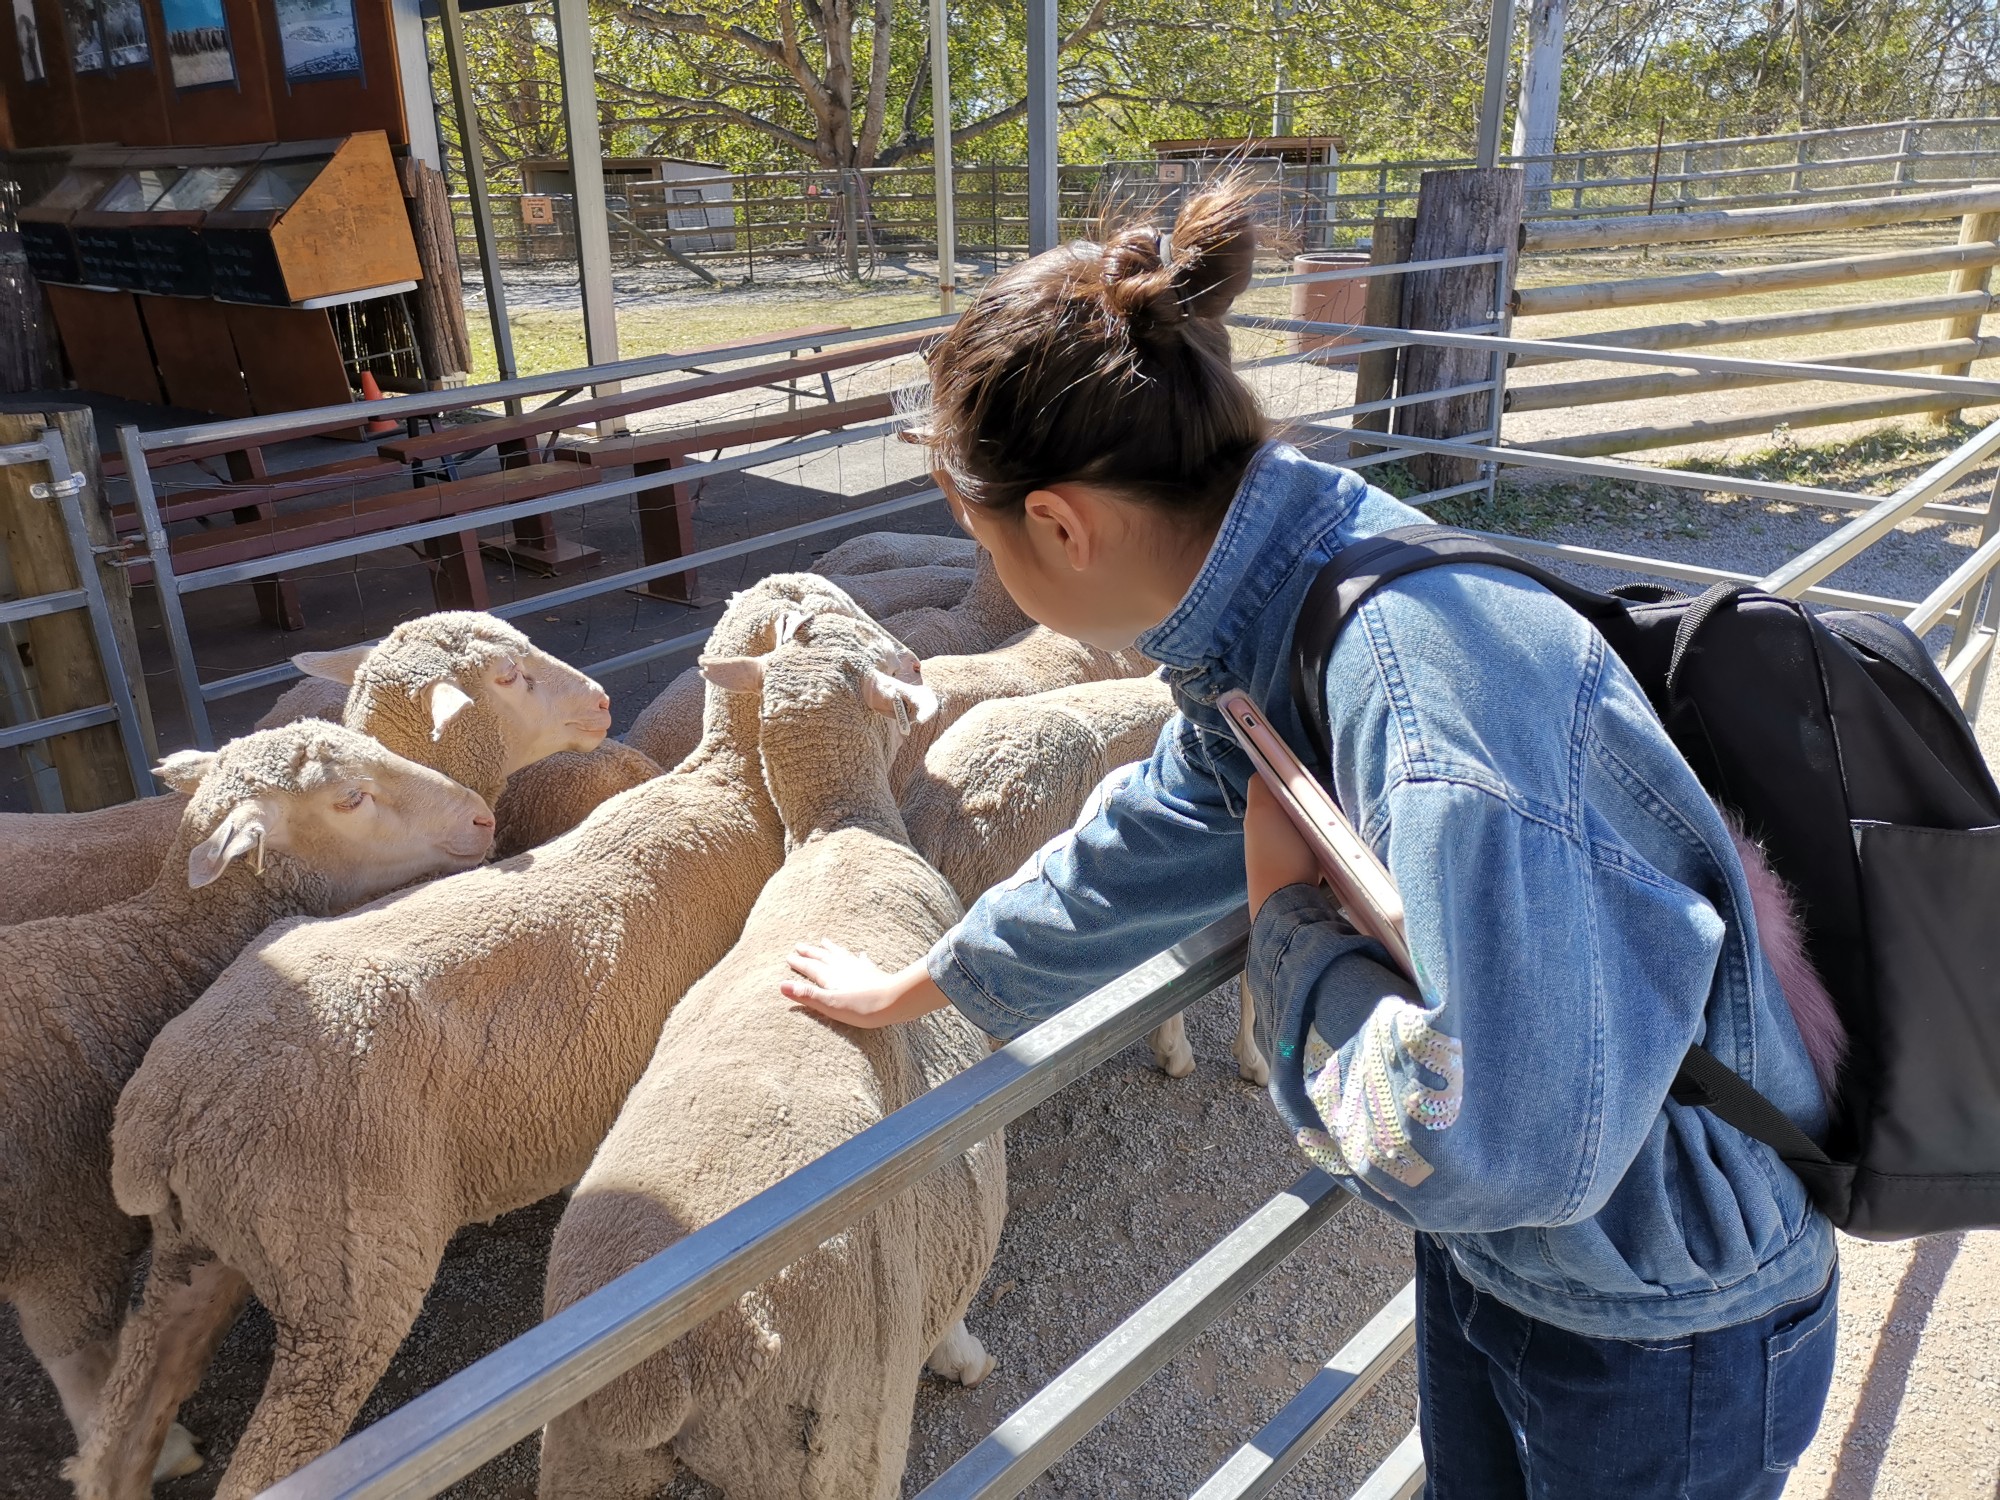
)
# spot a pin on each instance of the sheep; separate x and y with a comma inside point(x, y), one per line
point(447, 1055)
point(1035, 661)
point(464, 693)
point(896, 591)
point(308, 698)
point(328, 818)
point(1017, 773)
point(879, 551)
point(667, 727)
point(806, 1385)
point(549, 798)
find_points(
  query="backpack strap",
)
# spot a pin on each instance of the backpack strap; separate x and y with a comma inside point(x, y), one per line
point(1705, 1082)
point(1357, 571)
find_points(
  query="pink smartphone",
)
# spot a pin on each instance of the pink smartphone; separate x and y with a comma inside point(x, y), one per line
point(1362, 886)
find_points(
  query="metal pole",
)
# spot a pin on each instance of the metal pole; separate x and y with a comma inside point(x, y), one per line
point(1493, 103)
point(171, 615)
point(586, 175)
point(1042, 195)
point(472, 151)
point(947, 208)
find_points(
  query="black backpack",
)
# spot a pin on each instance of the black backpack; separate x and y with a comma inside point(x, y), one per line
point(1836, 741)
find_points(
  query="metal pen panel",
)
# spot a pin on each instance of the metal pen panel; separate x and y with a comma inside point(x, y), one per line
point(172, 616)
point(1063, 1412)
point(68, 487)
point(1326, 1400)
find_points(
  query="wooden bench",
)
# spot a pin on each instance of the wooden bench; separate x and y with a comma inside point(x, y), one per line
point(458, 581)
point(666, 514)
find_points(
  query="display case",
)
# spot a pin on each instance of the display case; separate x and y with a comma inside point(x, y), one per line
point(313, 221)
point(48, 224)
point(171, 256)
point(105, 252)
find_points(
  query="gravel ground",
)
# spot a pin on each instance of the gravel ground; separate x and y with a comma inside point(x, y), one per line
point(1122, 1180)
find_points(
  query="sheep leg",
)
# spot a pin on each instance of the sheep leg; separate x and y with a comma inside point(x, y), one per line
point(1171, 1052)
point(68, 1306)
point(1250, 1062)
point(960, 1356)
point(162, 1352)
point(331, 1351)
point(576, 1466)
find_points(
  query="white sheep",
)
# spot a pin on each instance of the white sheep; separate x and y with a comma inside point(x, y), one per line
point(806, 1385)
point(549, 798)
point(1035, 661)
point(667, 727)
point(895, 591)
point(308, 698)
point(349, 1093)
point(464, 693)
point(879, 551)
point(308, 819)
point(1015, 774)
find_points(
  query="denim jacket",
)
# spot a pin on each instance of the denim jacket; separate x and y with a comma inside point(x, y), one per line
point(1577, 911)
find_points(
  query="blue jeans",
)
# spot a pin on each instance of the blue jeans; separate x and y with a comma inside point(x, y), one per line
point(1516, 1409)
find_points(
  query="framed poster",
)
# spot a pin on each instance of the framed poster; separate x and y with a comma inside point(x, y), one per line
point(199, 54)
point(122, 26)
point(86, 37)
point(28, 42)
point(318, 39)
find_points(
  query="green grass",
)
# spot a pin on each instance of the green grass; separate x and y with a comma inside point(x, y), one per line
point(546, 341)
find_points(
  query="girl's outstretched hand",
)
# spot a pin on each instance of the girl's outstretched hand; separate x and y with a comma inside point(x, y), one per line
point(1274, 855)
point(852, 989)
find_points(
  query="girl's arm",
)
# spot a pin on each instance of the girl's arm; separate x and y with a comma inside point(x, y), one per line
point(1560, 988)
point(1156, 855)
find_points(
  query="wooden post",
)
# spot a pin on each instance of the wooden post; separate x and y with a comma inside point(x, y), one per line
point(1375, 374)
point(90, 763)
point(1973, 229)
point(1470, 212)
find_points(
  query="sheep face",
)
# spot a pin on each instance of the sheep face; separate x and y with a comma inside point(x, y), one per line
point(474, 675)
point(326, 814)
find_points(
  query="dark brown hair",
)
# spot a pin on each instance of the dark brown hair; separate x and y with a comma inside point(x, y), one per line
point(1107, 364)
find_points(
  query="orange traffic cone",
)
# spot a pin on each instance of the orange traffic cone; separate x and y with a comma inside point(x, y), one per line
point(370, 391)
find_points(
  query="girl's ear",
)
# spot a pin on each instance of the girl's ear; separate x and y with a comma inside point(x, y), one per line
point(1067, 521)
point(734, 674)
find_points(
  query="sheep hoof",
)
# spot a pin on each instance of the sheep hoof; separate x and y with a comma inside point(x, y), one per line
point(1176, 1062)
point(960, 1356)
point(178, 1457)
point(978, 1370)
point(1250, 1065)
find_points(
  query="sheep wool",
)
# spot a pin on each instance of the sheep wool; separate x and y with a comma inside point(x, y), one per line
point(806, 1386)
point(549, 798)
point(878, 551)
point(82, 996)
point(447, 1055)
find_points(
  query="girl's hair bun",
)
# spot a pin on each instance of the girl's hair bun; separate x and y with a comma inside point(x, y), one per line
point(1158, 280)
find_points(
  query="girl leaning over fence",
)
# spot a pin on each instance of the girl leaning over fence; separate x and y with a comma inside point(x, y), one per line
point(1618, 1294)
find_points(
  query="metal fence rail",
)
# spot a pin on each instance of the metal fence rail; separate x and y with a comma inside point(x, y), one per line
point(64, 489)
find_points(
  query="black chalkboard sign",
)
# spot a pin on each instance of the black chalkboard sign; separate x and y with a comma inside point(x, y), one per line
point(107, 257)
point(50, 250)
point(173, 261)
point(243, 266)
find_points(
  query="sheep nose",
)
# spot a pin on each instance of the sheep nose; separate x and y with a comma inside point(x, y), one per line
point(603, 701)
point(482, 820)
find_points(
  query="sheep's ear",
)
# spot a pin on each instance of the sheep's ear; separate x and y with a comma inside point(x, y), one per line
point(333, 666)
point(790, 623)
point(182, 771)
point(893, 698)
point(240, 832)
point(448, 700)
point(734, 674)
